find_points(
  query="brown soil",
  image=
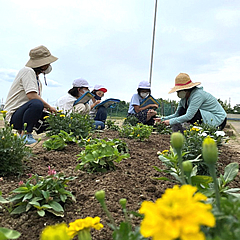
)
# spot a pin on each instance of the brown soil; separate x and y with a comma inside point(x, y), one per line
point(131, 180)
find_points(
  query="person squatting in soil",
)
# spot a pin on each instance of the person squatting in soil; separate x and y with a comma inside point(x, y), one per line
point(144, 114)
point(195, 105)
point(100, 114)
point(24, 104)
point(67, 102)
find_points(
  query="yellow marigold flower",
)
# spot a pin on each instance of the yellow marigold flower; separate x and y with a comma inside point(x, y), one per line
point(71, 118)
point(195, 129)
point(138, 135)
point(3, 112)
point(59, 111)
point(58, 231)
point(82, 224)
point(178, 214)
point(62, 115)
point(88, 140)
point(46, 117)
point(165, 152)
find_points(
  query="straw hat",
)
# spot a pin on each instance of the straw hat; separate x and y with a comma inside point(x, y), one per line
point(40, 56)
point(183, 81)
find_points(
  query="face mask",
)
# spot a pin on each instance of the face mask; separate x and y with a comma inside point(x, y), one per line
point(48, 70)
point(181, 94)
point(97, 97)
point(143, 95)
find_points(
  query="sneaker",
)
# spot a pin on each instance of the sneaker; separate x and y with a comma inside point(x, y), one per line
point(28, 138)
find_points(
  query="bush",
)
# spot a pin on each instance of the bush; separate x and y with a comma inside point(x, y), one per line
point(12, 151)
point(77, 124)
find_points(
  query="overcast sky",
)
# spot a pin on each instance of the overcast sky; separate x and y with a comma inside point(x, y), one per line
point(109, 42)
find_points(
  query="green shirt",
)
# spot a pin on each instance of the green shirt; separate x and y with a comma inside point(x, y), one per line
point(211, 110)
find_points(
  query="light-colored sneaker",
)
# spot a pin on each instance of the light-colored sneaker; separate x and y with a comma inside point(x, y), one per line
point(28, 138)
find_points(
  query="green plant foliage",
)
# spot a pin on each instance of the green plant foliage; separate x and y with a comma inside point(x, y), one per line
point(125, 230)
point(13, 151)
point(100, 156)
point(59, 142)
point(140, 131)
point(162, 128)
point(131, 120)
point(6, 233)
point(111, 125)
point(42, 194)
point(77, 124)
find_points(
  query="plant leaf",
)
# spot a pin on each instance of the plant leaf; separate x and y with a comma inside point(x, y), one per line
point(231, 171)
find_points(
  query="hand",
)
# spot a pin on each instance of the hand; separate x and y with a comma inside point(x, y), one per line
point(97, 102)
point(157, 120)
point(154, 106)
point(166, 122)
point(52, 109)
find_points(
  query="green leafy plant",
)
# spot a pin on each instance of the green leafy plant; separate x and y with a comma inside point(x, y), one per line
point(131, 120)
point(140, 131)
point(125, 230)
point(59, 142)
point(162, 128)
point(42, 194)
point(100, 156)
point(6, 233)
point(111, 125)
point(77, 124)
point(13, 151)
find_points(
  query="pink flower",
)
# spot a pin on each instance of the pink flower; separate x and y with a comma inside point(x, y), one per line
point(20, 183)
point(29, 175)
point(51, 172)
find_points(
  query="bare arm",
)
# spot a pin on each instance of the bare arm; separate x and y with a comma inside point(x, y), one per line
point(138, 109)
point(34, 95)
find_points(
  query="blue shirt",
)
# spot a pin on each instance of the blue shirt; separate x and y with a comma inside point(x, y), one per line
point(136, 100)
point(211, 110)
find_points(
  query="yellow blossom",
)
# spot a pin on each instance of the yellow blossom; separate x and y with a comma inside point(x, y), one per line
point(178, 214)
point(71, 118)
point(62, 115)
point(59, 111)
point(46, 117)
point(195, 129)
point(58, 231)
point(138, 135)
point(82, 224)
point(88, 140)
point(165, 152)
point(3, 112)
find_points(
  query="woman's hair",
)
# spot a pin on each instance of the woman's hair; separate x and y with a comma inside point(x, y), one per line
point(140, 89)
point(37, 70)
point(74, 91)
point(94, 91)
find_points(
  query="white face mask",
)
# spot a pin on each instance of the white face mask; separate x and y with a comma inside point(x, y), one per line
point(181, 94)
point(143, 94)
point(48, 70)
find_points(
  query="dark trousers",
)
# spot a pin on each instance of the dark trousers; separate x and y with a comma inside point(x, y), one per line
point(196, 118)
point(28, 113)
point(101, 114)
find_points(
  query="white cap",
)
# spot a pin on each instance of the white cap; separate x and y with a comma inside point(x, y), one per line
point(144, 84)
point(80, 82)
point(100, 88)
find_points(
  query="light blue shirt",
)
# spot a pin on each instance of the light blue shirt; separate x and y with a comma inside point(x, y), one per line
point(211, 110)
point(136, 100)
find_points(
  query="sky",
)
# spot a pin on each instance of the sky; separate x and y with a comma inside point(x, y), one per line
point(109, 42)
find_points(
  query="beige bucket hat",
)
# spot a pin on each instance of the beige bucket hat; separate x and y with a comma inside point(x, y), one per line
point(40, 56)
point(183, 81)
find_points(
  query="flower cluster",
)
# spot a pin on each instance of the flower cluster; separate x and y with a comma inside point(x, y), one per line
point(80, 227)
point(178, 214)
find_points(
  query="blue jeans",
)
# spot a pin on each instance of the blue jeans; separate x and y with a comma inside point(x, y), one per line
point(28, 113)
point(100, 118)
point(99, 125)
